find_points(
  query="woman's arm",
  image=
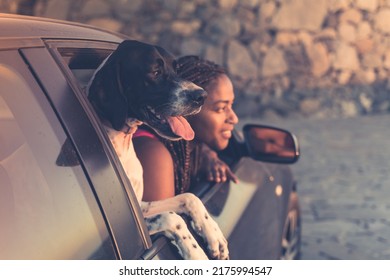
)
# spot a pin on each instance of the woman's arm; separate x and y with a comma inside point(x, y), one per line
point(158, 169)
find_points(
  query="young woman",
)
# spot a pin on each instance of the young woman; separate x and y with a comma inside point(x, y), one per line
point(169, 166)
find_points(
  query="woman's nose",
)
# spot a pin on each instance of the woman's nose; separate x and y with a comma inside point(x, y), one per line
point(232, 118)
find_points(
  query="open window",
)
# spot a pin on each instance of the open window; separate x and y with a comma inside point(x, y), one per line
point(83, 62)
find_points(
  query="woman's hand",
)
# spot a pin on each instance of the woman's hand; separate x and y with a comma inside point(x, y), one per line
point(214, 169)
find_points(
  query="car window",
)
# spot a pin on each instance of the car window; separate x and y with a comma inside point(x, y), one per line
point(83, 62)
point(47, 208)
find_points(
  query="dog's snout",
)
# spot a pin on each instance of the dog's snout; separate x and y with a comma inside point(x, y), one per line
point(198, 96)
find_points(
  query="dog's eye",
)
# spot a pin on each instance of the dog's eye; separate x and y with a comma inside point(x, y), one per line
point(156, 73)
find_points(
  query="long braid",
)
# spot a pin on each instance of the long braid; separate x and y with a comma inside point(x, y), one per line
point(180, 152)
point(202, 73)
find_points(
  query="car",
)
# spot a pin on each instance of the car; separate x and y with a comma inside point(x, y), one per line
point(63, 192)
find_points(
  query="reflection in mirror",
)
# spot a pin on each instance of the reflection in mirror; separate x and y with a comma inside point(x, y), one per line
point(271, 144)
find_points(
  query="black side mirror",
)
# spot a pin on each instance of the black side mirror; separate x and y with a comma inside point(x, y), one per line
point(270, 144)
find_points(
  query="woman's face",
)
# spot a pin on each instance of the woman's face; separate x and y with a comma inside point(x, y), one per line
point(213, 125)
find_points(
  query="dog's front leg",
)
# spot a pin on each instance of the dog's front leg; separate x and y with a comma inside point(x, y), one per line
point(201, 221)
point(174, 227)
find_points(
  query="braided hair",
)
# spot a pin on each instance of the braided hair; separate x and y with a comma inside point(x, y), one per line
point(203, 73)
point(199, 71)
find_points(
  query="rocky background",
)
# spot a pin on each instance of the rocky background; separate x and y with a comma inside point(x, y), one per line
point(287, 58)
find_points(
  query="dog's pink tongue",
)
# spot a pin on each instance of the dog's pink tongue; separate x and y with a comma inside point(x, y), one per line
point(181, 127)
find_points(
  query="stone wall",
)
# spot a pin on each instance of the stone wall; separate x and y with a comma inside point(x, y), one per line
point(290, 58)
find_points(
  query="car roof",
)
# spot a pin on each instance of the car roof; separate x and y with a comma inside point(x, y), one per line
point(18, 26)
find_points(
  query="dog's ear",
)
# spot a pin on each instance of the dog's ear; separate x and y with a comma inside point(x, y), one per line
point(106, 94)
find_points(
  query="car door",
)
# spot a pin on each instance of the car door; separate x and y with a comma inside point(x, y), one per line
point(47, 210)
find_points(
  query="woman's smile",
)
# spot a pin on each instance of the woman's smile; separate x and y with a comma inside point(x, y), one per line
point(227, 134)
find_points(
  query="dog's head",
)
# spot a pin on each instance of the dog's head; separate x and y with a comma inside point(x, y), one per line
point(139, 81)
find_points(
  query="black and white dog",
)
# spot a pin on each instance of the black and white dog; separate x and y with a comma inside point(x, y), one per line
point(138, 84)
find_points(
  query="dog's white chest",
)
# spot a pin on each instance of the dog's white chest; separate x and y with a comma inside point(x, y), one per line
point(124, 148)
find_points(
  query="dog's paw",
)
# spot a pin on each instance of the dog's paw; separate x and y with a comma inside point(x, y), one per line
point(217, 244)
point(187, 245)
point(205, 226)
point(175, 228)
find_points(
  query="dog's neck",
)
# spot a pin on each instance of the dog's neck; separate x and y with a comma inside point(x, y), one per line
point(122, 143)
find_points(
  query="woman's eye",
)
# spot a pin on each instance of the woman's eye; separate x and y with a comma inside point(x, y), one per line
point(221, 109)
point(157, 73)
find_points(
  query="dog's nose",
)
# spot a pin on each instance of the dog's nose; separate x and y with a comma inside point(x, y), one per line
point(198, 96)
